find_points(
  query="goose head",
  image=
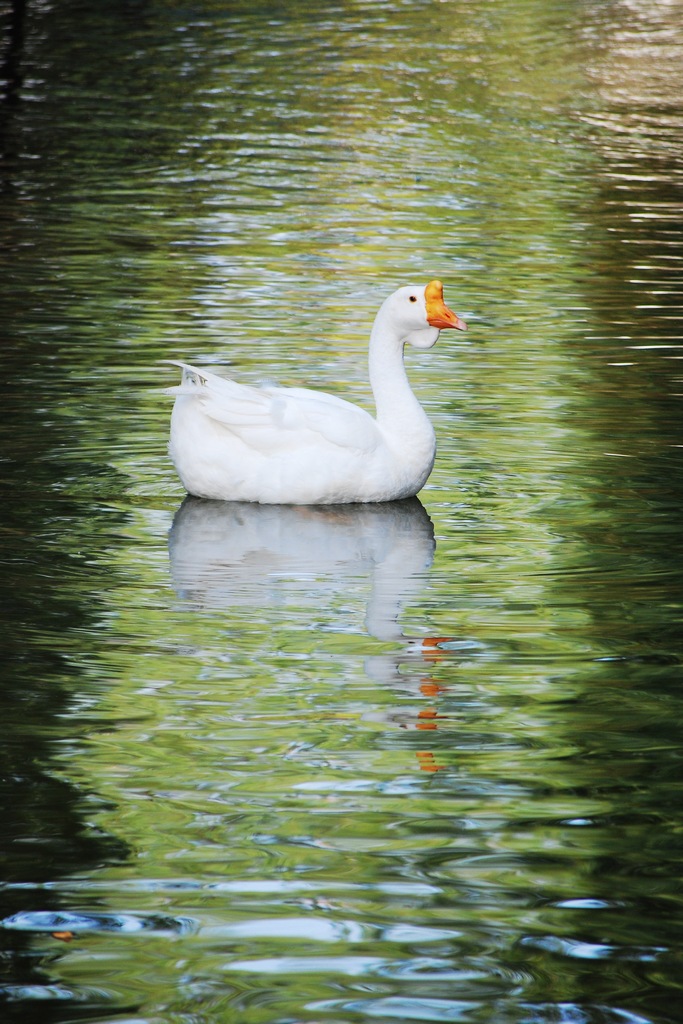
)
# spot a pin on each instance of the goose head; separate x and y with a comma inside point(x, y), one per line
point(419, 313)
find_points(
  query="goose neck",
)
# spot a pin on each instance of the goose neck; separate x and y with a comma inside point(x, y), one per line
point(387, 371)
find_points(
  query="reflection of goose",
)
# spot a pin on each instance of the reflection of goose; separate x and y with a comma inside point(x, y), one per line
point(292, 445)
point(236, 554)
point(228, 554)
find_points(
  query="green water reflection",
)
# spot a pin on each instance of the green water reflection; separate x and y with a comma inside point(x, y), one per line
point(413, 762)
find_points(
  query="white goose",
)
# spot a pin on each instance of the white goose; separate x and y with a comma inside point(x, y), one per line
point(293, 446)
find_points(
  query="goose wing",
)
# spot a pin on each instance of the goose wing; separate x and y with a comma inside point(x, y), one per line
point(273, 419)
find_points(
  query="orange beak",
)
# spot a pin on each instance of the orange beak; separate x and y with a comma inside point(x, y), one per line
point(438, 313)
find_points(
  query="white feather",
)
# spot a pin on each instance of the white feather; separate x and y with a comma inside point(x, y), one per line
point(297, 446)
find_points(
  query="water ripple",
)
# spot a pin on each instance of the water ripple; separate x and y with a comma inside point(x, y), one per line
point(66, 921)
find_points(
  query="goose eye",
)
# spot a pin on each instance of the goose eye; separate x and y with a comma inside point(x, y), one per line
point(413, 298)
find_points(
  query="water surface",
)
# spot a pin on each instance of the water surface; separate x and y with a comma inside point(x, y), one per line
point(418, 761)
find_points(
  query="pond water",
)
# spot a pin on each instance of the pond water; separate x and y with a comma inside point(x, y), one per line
point(411, 762)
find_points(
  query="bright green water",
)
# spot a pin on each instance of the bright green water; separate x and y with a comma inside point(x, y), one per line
point(231, 770)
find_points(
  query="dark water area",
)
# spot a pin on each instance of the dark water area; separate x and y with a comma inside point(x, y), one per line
point(418, 761)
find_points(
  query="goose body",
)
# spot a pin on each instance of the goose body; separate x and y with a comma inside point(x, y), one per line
point(295, 446)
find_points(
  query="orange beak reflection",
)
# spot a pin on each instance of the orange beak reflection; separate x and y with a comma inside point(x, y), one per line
point(438, 313)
